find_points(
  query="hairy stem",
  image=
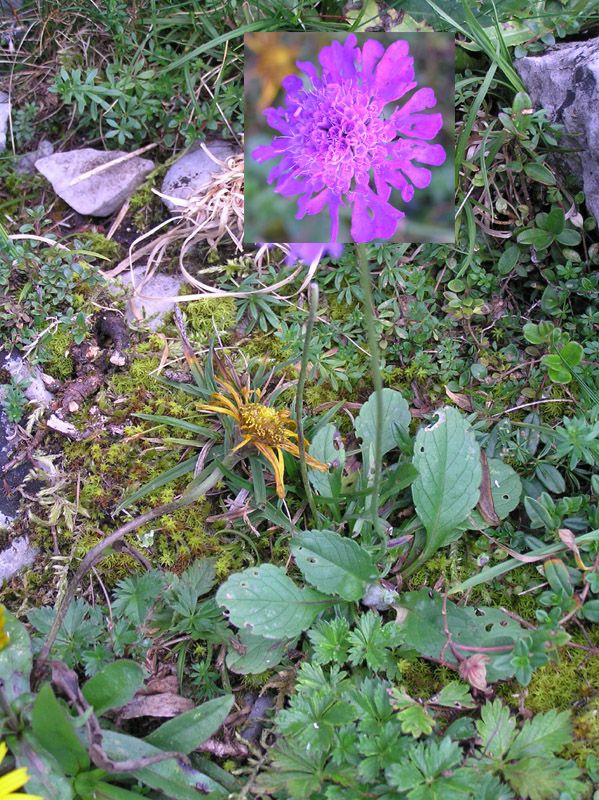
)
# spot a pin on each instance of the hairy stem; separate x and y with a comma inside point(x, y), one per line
point(299, 400)
point(377, 383)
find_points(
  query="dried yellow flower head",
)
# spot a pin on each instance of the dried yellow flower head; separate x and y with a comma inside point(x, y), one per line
point(269, 430)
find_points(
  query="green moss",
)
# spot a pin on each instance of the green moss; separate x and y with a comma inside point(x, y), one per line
point(205, 316)
point(265, 344)
point(104, 247)
point(59, 364)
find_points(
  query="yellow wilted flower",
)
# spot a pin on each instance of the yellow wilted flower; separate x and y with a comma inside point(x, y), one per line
point(269, 430)
point(3, 634)
point(14, 780)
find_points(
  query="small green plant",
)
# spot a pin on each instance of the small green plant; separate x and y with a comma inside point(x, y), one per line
point(14, 399)
point(68, 745)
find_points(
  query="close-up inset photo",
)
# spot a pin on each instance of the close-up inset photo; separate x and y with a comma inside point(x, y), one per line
point(349, 138)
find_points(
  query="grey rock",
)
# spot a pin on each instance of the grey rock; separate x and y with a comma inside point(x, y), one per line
point(102, 193)
point(564, 80)
point(35, 390)
point(193, 171)
point(150, 302)
point(27, 162)
point(16, 557)
point(4, 116)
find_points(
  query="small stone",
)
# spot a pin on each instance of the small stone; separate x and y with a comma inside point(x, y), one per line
point(102, 193)
point(4, 116)
point(194, 171)
point(151, 303)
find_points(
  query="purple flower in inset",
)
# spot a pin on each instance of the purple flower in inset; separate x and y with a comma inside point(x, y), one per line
point(335, 139)
point(308, 252)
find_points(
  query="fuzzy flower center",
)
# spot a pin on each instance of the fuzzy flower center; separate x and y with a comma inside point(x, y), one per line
point(338, 135)
point(264, 424)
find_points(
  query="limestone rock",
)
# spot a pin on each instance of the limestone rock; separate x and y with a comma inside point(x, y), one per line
point(4, 115)
point(150, 303)
point(564, 80)
point(102, 193)
point(27, 162)
point(18, 555)
point(194, 170)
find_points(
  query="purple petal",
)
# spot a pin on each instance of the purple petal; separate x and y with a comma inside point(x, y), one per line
point(310, 70)
point(309, 251)
point(292, 84)
point(394, 74)
point(340, 61)
point(380, 224)
point(267, 151)
point(371, 52)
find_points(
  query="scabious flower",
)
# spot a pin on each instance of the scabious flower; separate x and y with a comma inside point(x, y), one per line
point(269, 430)
point(14, 780)
point(335, 138)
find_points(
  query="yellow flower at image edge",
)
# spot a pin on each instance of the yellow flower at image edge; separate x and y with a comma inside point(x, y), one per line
point(14, 780)
point(3, 634)
point(266, 428)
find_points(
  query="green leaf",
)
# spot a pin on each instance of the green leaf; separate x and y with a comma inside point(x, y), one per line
point(536, 778)
point(558, 372)
point(569, 237)
point(15, 659)
point(481, 627)
point(256, 655)
point(539, 239)
point(540, 173)
point(543, 735)
point(590, 610)
point(506, 489)
point(509, 259)
point(265, 602)
point(446, 490)
point(326, 446)
point(572, 354)
point(558, 576)
point(415, 720)
point(333, 563)
point(554, 221)
point(170, 778)
point(55, 733)
point(455, 694)
point(46, 779)
point(496, 729)
point(551, 479)
point(114, 685)
point(539, 515)
point(191, 729)
point(396, 416)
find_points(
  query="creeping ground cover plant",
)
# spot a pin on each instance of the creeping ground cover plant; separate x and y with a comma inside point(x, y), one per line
point(344, 141)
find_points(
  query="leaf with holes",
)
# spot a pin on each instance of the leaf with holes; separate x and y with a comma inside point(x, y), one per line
point(333, 563)
point(327, 447)
point(446, 490)
point(265, 602)
point(506, 489)
point(396, 420)
point(470, 629)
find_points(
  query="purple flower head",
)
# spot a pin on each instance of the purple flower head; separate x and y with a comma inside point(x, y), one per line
point(335, 140)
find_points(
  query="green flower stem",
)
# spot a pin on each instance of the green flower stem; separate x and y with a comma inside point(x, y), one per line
point(6, 708)
point(98, 551)
point(299, 400)
point(377, 383)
